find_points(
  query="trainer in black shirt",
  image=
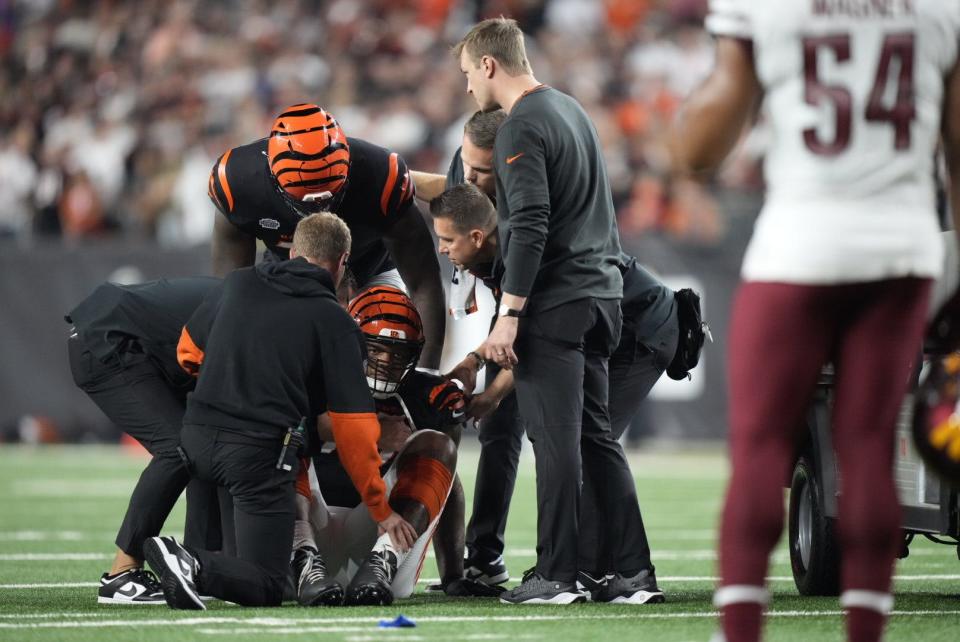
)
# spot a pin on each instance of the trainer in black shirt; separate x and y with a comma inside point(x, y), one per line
point(559, 316)
point(272, 347)
point(123, 354)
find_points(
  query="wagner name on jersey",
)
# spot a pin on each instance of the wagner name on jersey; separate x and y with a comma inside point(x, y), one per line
point(378, 192)
point(852, 95)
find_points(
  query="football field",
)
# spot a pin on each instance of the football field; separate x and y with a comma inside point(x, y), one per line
point(60, 508)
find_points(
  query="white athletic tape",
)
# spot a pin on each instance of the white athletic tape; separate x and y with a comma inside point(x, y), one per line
point(873, 600)
point(740, 594)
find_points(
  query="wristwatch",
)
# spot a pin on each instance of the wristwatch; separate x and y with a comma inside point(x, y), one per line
point(505, 311)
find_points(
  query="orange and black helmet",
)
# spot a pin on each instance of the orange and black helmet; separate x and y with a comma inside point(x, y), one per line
point(309, 158)
point(393, 331)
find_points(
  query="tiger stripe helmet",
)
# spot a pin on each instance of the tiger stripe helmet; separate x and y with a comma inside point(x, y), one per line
point(309, 158)
point(393, 331)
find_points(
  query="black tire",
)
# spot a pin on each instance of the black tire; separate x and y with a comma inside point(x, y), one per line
point(814, 552)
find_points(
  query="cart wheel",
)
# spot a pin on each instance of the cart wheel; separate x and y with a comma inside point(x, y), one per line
point(814, 553)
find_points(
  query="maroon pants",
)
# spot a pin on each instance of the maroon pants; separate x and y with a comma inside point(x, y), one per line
point(781, 335)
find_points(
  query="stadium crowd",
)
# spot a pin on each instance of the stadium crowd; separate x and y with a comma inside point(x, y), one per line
point(112, 113)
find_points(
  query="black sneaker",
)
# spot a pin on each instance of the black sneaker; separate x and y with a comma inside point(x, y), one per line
point(371, 584)
point(590, 582)
point(639, 589)
point(536, 589)
point(135, 586)
point(314, 588)
point(490, 573)
point(178, 571)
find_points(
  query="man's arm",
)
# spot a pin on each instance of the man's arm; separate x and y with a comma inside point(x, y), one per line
point(951, 143)
point(411, 247)
point(714, 116)
point(429, 186)
point(232, 248)
point(193, 336)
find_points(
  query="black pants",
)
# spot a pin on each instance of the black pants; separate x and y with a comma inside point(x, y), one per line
point(133, 393)
point(263, 512)
point(562, 387)
point(500, 442)
point(633, 370)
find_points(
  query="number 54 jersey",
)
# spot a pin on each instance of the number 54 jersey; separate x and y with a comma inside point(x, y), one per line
point(853, 95)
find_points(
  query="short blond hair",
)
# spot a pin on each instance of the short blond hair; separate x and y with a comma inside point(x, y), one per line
point(502, 39)
point(323, 237)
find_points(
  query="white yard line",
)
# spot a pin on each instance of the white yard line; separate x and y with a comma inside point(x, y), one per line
point(271, 625)
point(53, 557)
point(435, 580)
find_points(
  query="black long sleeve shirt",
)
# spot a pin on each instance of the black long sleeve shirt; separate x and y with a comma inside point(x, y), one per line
point(555, 211)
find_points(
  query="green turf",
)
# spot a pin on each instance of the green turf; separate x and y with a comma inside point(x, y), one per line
point(69, 501)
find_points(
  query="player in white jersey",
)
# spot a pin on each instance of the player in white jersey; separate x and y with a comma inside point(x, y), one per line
point(857, 94)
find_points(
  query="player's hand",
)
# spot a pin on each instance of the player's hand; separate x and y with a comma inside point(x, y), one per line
point(394, 431)
point(402, 534)
point(466, 373)
point(482, 406)
point(499, 345)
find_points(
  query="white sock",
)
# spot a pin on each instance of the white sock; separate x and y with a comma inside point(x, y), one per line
point(384, 543)
point(303, 535)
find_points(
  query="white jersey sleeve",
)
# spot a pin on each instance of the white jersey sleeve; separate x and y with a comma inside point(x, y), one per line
point(853, 96)
point(730, 18)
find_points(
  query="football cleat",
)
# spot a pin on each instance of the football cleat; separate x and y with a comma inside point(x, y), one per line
point(135, 586)
point(638, 589)
point(536, 589)
point(371, 584)
point(178, 571)
point(489, 573)
point(314, 588)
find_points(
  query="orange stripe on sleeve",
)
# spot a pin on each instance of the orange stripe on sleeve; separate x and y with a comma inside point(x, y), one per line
point(390, 184)
point(189, 356)
point(224, 183)
point(356, 435)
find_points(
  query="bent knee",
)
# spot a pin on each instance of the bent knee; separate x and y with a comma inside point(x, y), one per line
point(433, 444)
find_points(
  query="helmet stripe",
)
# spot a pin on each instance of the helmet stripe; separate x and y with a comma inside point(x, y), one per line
point(224, 183)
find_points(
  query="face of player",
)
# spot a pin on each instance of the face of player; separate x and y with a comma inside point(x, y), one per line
point(478, 167)
point(463, 250)
point(386, 366)
point(478, 85)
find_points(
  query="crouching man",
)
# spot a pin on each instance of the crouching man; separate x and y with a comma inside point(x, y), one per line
point(272, 347)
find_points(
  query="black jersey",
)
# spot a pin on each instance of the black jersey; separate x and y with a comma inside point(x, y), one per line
point(379, 193)
point(455, 171)
point(427, 401)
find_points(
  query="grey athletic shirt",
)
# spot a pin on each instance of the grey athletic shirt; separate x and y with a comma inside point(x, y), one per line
point(555, 212)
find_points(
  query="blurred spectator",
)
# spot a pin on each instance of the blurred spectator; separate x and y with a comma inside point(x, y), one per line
point(18, 177)
point(112, 113)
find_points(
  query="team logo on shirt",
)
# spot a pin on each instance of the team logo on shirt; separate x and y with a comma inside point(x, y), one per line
point(270, 224)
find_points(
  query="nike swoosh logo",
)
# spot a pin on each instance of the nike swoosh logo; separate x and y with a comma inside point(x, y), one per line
point(130, 590)
point(513, 158)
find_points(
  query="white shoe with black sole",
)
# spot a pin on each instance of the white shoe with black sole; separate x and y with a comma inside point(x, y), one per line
point(135, 587)
point(177, 569)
